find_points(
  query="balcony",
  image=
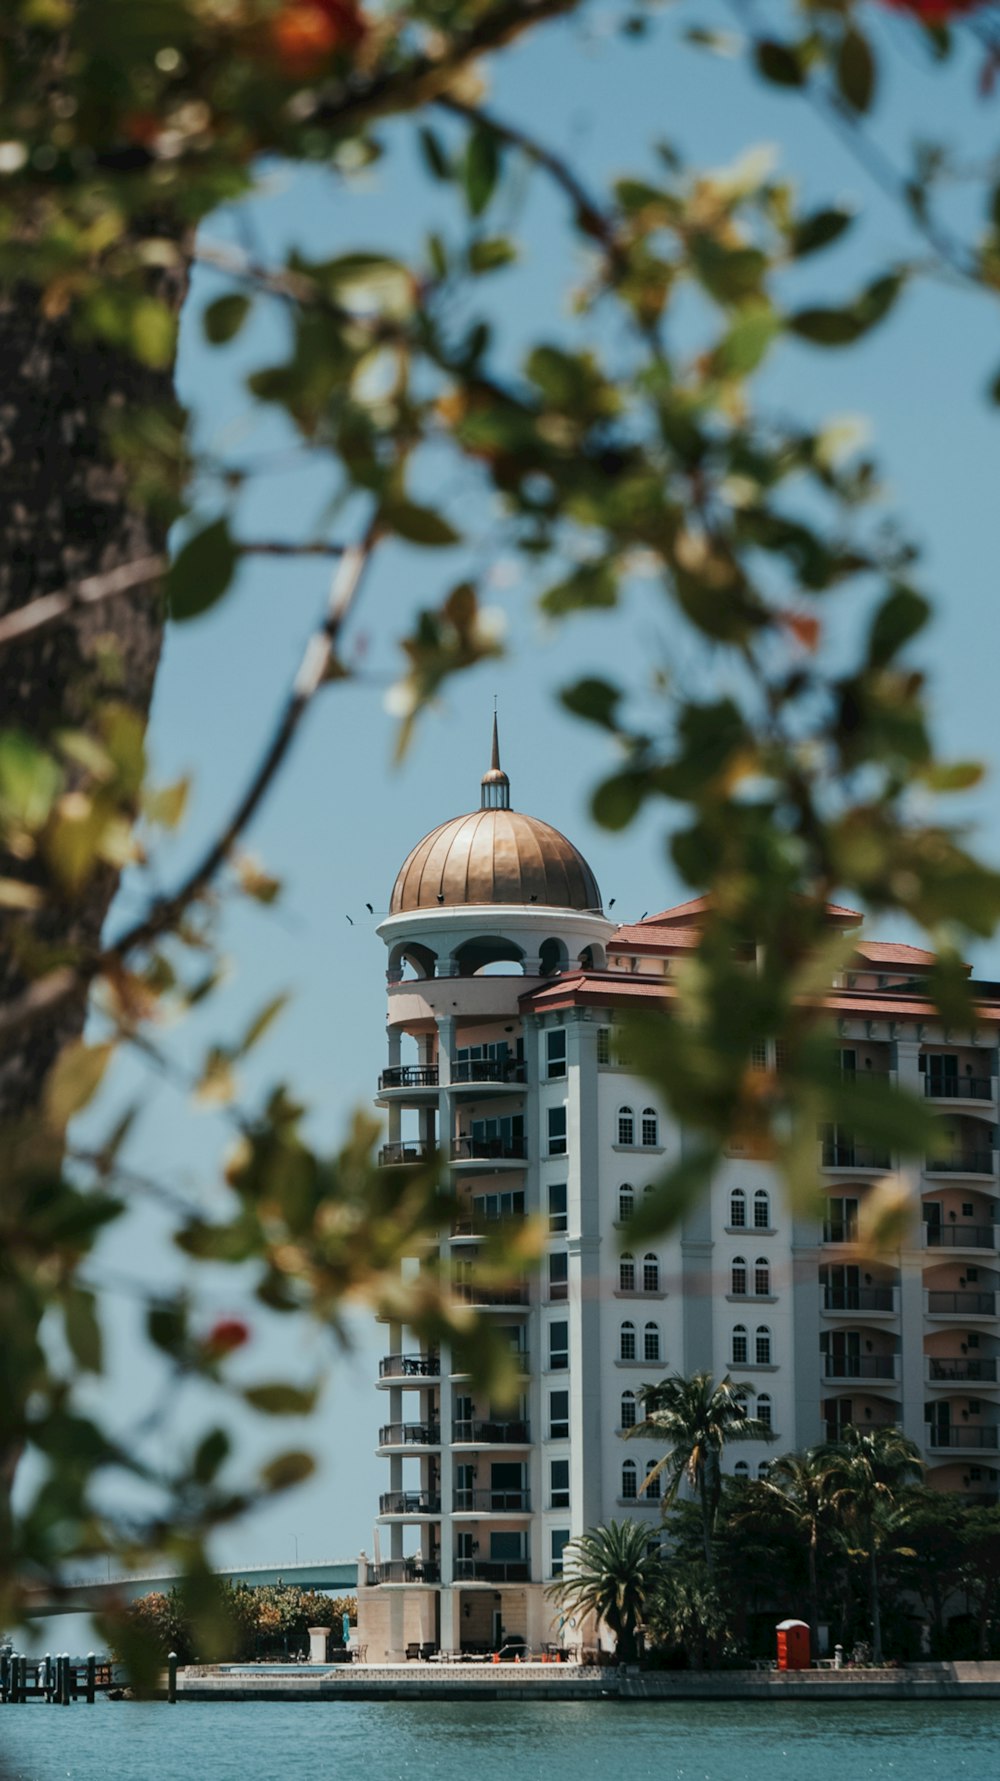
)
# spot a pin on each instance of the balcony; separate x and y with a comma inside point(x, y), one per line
point(410, 1434)
point(505, 1072)
point(409, 1076)
point(837, 1230)
point(860, 1366)
point(489, 1298)
point(960, 1162)
point(961, 1304)
point(835, 1430)
point(467, 1432)
point(854, 1156)
point(410, 1366)
point(407, 1570)
point(491, 1502)
point(958, 1088)
point(414, 1151)
point(408, 1502)
point(945, 1370)
point(467, 1149)
point(963, 1438)
point(960, 1236)
point(859, 1298)
point(492, 1570)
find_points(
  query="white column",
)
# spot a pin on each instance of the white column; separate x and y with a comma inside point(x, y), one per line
point(911, 1266)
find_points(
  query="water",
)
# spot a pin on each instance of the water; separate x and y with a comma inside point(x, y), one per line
point(496, 1741)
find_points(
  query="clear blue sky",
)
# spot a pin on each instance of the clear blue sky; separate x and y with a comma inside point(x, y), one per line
point(341, 820)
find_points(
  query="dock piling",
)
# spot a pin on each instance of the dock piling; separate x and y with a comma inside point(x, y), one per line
point(172, 1677)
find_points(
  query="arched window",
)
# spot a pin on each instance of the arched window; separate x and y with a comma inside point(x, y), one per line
point(761, 1210)
point(762, 1409)
point(626, 1125)
point(626, 1202)
point(764, 1469)
point(739, 1277)
point(762, 1346)
point(741, 1471)
point(649, 1189)
point(626, 1342)
point(738, 1208)
point(630, 1483)
point(626, 1274)
point(652, 1487)
point(628, 1410)
point(651, 1342)
point(650, 1126)
point(650, 1273)
point(741, 1345)
point(762, 1277)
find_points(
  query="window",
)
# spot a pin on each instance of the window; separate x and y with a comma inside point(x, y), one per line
point(650, 1126)
point(762, 1346)
point(763, 1410)
point(974, 1407)
point(626, 1202)
point(604, 1045)
point(650, 1274)
point(651, 1342)
point(558, 1346)
point(739, 1277)
point(626, 1274)
point(626, 1342)
point(559, 1275)
point(557, 1131)
point(559, 1538)
point(741, 1471)
point(488, 1208)
point(741, 1346)
point(764, 1470)
point(559, 1484)
point(758, 1054)
point(762, 1277)
point(557, 1206)
point(652, 1486)
point(555, 1052)
point(761, 1210)
point(972, 1274)
point(630, 1483)
point(558, 1415)
point(628, 1410)
point(626, 1125)
point(738, 1208)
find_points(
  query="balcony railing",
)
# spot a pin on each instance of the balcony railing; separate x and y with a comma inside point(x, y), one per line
point(960, 1236)
point(840, 1230)
point(488, 1070)
point(491, 1295)
point(963, 1437)
point(408, 1570)
point(413, 1152)
point(959, 1088)
point(409, 1076)
point(962, 1304)
point(854, 1156)
point(410, 1434)
point(835, 1430)
point(961, 1162)
point(491, 1502)
point(408, 1502)
point(410, 1366)
point(982, 1370)
point(468, 1149)
point(492, 1570)
point(489, 1434)
point(859, 1298)
point(860, 1366)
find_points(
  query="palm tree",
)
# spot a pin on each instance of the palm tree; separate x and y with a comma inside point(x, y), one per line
point(868, 1469)
point(800, 1486)
point(697, 1418)
point(609, 1572)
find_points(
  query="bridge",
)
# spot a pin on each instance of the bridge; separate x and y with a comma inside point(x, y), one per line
point(86, 1594)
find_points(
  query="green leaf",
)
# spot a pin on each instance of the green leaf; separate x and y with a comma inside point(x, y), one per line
point(287, 1469)
point(202, 571)
point(592, 585)
point(29, 781)
point(618, 800)
point(224, 318)
point(74, 1079)
point(490, 254)
point(435, 156)
point(842, 327)
point(83, 1332)
point(279, 1399)
point(818, 230)
point(902, 614)
point(748, 341)
point(419, 525)
point(260, 1023)
point(594, 699)
point(153, 332)
point(211, 1453)
point(778, 63)
point(481, 169)
point(856, 71)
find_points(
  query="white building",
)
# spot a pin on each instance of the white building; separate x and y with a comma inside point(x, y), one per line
point(505, 982)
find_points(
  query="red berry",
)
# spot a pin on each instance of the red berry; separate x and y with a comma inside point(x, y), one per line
point(307, 34)
point(226, 1335)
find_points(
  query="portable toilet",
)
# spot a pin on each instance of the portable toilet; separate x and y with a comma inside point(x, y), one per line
point(793, 1645)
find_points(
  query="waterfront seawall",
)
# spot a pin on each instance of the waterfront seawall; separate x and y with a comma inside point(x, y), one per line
point(571, 1682)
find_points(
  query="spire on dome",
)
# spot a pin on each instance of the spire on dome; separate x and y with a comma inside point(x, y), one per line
point(496, 786)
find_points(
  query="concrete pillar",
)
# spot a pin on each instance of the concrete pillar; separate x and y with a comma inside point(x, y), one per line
point(397, 1626)
point(318, 1640)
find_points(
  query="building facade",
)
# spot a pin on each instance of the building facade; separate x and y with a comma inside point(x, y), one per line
point(506, 982)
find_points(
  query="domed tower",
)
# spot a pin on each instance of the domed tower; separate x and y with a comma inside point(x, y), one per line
point(487, 909)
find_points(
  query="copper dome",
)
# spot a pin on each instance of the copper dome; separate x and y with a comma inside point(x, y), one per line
point(495, 856)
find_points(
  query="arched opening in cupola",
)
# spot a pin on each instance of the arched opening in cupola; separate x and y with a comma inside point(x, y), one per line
point(488, 953)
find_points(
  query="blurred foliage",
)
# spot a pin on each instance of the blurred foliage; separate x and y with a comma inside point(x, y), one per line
point(633, 445)
point(246, 1621)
